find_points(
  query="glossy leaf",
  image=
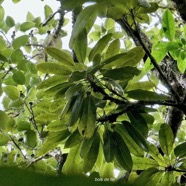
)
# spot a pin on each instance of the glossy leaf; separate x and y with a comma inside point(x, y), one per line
point(80, 46)
point(100, 46)
point(109, 145)
point(122, 153)
point(180, 150)
point(166, 138)
point(133, 147)
point(113, 49)
point(60, 56)
point(168, 25)
point(87, 121)
point(91, 157)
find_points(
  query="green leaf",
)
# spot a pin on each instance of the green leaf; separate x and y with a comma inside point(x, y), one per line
point(4, 139)
point(3, 46)
point(26, 26)
point(87, 121)
point(130, 58)
point(80, 46)
point(2, 13)
point(166, 138)
point(20, 41)
point(168, 25)
point(76, 110)
point(113, 49)
point(138, 122)
point(12, 92)
point(91, 157)
point(85, 146)
point(48, 11)
point(109, 23)
point(56, 126)
point(125, 73)
point(72, 90)
point(109, 145)
point(145, 176)
point(146, 85)
point(74, 139)
point(180, 150)
point(100, 46)
point(23, 125)
point(143, 163)
point(10, 21)
point(133, 147)
point(122, 153)
point(4, 118)
point(85, 20)
point(30, 138)
point(168, 178)
point(60, 56)
point(19, 77)
point(29, 17)
point(136, 135)
point(53, 139)
point(146, 95)
point(73, 163)
point(51, 81)
point(53, 68)
point(16, 1)
point(108, 171)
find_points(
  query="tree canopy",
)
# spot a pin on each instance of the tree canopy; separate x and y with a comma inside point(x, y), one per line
point(114, 100)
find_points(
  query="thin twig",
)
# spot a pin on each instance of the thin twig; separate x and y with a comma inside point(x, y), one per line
point(49, 18)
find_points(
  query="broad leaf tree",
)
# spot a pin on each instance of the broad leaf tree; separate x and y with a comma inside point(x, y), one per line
point(114, 100)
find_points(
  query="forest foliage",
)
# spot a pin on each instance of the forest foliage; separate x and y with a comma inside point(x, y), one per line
point(114, 100)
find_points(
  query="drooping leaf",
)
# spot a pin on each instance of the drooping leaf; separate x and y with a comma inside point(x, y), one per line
point(122, 153)
point(60, 55)
point(80, 46)
point(133, 147)
point(180, 150)
point(109, 145)
point(4, 139)
point(20, 41)
point(136, 135)
point(85, 20)
point(87, 121)
point(166, 138)
point(91, 157)
point(100, 46)
point(168, 25)
point(74, 163)
point(53, 139)
point(53, 68)
point(74, 139)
